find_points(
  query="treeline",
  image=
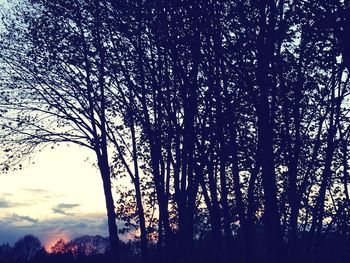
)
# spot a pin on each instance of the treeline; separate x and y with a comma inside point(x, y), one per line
point(230, 118)
point(83, 249)
point(25, 249)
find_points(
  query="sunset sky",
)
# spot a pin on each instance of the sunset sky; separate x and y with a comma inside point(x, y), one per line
point(59, 196)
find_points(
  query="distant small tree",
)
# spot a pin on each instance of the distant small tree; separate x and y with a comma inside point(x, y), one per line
point(6, 253)
point(87, 245)
point(59, 247)
point(27, 248)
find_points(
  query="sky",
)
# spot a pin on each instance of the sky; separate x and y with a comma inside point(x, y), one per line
point(59, 196)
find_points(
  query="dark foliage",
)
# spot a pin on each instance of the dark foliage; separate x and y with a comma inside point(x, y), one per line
point(229, 118)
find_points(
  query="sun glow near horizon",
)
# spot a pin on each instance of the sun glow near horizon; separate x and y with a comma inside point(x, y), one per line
point(53, 239)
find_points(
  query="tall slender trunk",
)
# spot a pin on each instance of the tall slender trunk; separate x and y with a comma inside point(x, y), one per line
point(215, 223)
point(265, 124)
point(140, 211)
point(217, 71)
point(153, 135)
point(265, 135)
point(222, 168)
point(249, 230)
point(189, 183)
point(293, 164)
point(111, 216)
point(101, 141)
point(346, 173)
point(271, 213)
point(319, 209)
point(245, 230)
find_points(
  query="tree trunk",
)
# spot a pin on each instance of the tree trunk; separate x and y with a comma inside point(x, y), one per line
point(346, 173)
point(271, 214)
point(112, 225)
point(265, 124)
point(140, 211)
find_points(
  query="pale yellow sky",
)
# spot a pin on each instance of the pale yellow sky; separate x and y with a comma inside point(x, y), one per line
point(64, 173)
point(61, 188)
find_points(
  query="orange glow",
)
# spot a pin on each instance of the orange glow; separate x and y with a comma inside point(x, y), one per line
point(52, 239)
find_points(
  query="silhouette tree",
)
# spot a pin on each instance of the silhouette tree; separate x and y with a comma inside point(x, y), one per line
point(59, 247)
point(6, 253)
point(87, 245)
point(64, 87)
point(230, 118)
point(27, 248)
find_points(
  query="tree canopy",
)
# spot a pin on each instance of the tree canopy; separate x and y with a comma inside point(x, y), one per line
point(230, 118)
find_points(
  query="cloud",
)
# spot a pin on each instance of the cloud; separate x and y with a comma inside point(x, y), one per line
point(4, 203)
point(14, 219)
point(103, 225)
point(40, 194)
point(7, 194)
point(18, 218)
point(36, 190)
point(62, 208)
point(81, 225)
